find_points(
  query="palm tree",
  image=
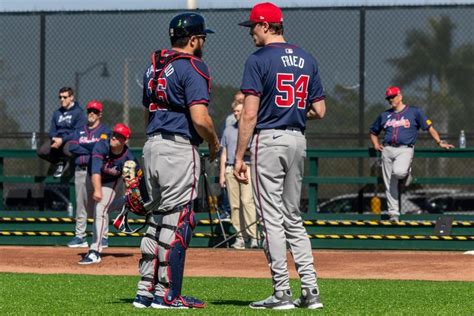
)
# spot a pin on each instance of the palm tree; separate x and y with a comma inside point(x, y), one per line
point(431, 56)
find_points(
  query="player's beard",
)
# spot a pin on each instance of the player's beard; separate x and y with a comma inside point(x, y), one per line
point(198, 52)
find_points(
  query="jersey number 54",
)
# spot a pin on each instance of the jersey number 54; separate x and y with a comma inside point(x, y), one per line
point(291, 89)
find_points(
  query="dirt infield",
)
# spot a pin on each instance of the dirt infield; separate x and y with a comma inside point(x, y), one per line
point(336, 264)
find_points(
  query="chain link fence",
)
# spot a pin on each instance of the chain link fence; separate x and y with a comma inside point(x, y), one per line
point(428, 51)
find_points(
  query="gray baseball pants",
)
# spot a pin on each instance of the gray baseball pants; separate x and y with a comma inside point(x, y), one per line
point(172, 167)
point(277, 174)
point(84, 201)
point(110, 192)
point(396, 162)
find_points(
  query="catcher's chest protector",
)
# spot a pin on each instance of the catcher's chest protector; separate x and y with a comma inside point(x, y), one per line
point(160, 60)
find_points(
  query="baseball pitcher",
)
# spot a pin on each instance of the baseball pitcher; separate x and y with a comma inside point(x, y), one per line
point(282, 90)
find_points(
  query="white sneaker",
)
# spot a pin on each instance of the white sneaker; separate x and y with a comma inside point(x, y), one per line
point(239, 243)
point(253, 243)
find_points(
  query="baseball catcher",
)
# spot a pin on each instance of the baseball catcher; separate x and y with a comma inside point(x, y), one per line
point(176, 88)
point(136, 196)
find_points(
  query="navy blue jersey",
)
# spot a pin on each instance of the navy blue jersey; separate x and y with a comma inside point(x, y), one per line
point(286, 78)
point(65, 121)
point(183, 83)
point(108, 165)
point(83, 141)
point(400, 128)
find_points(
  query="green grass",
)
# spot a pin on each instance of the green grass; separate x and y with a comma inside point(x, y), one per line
point(28, 294)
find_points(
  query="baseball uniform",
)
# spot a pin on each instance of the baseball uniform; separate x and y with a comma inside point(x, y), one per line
point(401, 129)
point(171, 168)
point(109, 166)
point(287, 81)
point(81, 146)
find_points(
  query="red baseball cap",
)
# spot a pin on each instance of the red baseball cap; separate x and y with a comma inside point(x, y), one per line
point(264, 12)
point(94, 104)
point(123, 130)
point(392, 91)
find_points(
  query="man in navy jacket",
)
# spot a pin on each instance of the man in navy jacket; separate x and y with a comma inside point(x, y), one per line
point(69, 117)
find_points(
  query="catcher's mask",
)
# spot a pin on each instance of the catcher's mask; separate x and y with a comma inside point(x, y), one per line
point(135, 198)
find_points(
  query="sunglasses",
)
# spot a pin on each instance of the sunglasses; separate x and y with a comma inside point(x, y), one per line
point(118, 136)
point(93, 111)
point(64, 97)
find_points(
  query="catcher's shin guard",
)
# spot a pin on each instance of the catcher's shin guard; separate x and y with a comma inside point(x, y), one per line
point(176, 254)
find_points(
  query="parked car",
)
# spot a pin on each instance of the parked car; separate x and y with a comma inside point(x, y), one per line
point(349, 203)
point(455, 203)
point(421, 196)
point(37, 197)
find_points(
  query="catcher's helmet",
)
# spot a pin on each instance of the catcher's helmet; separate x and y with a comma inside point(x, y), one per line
point(122, 129)
point(187, 24)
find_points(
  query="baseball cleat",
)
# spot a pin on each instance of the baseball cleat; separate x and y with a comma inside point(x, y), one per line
point(279, 300)
point(91, 257)
point(142, 301)
point(78, 242)
point(309, 299)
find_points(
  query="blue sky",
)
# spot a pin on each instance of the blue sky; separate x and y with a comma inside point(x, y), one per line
point(68, 5)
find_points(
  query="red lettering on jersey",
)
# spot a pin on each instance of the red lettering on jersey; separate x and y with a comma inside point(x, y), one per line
point(160, 90)
point(301, 88)
point(291, 89)
point(160, 95)
point(284, 85)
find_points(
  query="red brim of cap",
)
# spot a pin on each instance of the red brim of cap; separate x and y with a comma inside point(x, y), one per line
point(391, 96)
point(247, 23)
